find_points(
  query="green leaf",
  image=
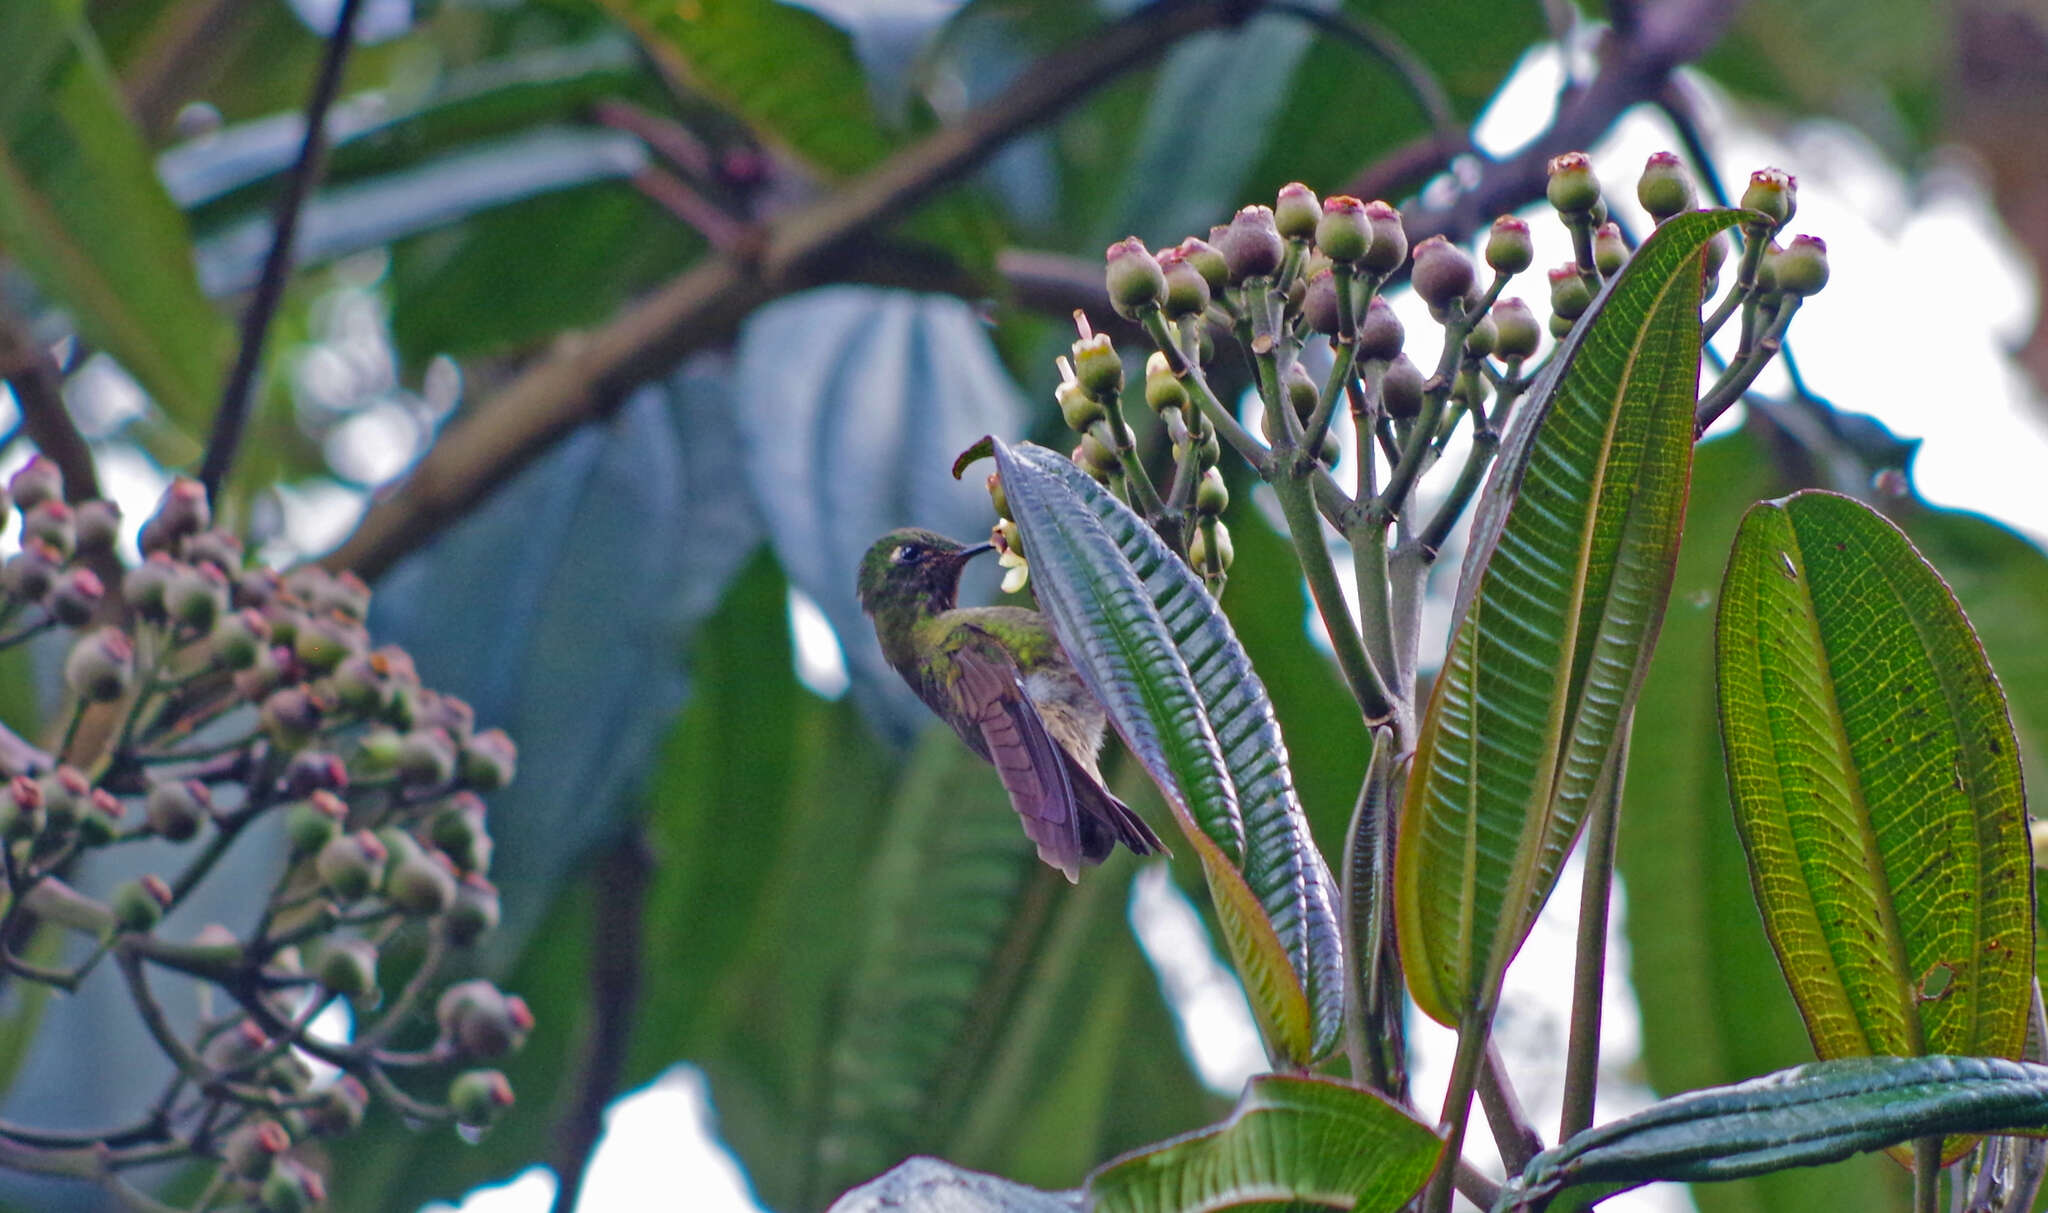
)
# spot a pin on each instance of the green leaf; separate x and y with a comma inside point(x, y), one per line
point(1714, 1007)
point(1573, 548)
point(1876, 786)
point(82, 211)
point(1324, 1144)
point(1795, 1118)
point(1157, 651)
point(786, 72)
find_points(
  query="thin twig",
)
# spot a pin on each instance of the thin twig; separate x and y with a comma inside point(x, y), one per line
point(38, 385)
point(1385, 45)
point(232, 417)
point(1582, 1052)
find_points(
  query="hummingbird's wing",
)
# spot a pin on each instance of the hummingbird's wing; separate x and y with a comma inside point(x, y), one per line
point(987, 691)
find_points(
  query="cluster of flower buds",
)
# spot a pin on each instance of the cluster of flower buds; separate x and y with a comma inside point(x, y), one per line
point(206, 694)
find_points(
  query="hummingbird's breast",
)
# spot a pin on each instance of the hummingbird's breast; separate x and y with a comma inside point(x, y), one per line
point(1071, 713)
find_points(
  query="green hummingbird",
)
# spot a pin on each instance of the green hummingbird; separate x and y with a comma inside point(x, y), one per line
point(998, 675)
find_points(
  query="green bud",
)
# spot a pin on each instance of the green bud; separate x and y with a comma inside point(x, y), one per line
point(348, 966)
point(240, 638)
point(997, 497)
point(1572, 189)
point(290, 1188)
point(458, 831)
point(1187, 291)
point(97, 525)
point(1135, 281)
point(421, 884)
point(66, 799)
point(1097, 367)
point(1610, 251)
point(50, 523)
point(1802, 266)
point(1772, 193)
point(290, 716)
point(249, 1151)
point(1212, 497)
point(1163, 390)
point(1401, 389)
point(31, 573)
point(479, 1098)
point(101, 823)
point(1207, 555)
point(183, 510)
point(1296, 212)
point(76, 595)
point(22, 814)
point(1509, 249)
point(1482, 339)
point(1251, 245)
point(1205, 260)
point(1560, 325)
point(1569, 296)
point(1343, 233)
point(474, 913)
point(39, 480)
point(1319, 304)
point(176, 809)
point(489, 760)
point(479, 1020)
point(1096, 459)
point(101, 666)
point(352, 865)
point(1665, 188)
point(339, 1109)
point(1301, 390)
point(1380, 335)
point(1389, 247)
point(139, 905)
point(1715, 254)
point(312, 823)
point(1443, 273)
point(426, 758)
point(216, 548)
point(1516, 334)
point(323, 642)
point(1767, 270)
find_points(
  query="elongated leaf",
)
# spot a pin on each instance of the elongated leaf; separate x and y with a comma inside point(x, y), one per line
point(1876, 785)
point(1162, 657)
point(1323, 1144)
point(1564, 586)
point(82, 211)
point(1794, 1118)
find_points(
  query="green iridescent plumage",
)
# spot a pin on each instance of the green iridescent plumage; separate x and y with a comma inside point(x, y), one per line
point(998, 676)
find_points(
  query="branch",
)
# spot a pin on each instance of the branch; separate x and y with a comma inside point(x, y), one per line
point(233, 414)
point(585, 379)
point(39, 391)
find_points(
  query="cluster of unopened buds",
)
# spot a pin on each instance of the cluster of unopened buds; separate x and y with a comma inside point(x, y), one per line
point(1277, 278)
point(206, 695)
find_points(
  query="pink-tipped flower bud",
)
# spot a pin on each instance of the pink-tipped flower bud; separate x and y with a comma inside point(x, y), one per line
point(479, 1020)
point(142, 587)
point(182, 511)
point(1319, 304)
point(1187, 289)
point(1401, 389)
point(175, 809)
point(352, 865)
point(1443, 272)
point(22, 813)
point(30, 574)
point(1133, 277)
point(458, 830)
point(1163, 389)
point(1296, 212)
point(51, 523)
point(1515, 332)
point(252, 1147)
point(1610, 251)
point(1343, 232)
point(348, 966)
point(1482, 339)
point(1380, 334)
point(1098, 368)
point(139, 905)
point(338, 1110)
point(215, 548)
point(421, 884)
point(1389, 248)
point(312, 823)
point(240, 638)
point(290, 716)
point(313, 771)
point(77, 594)
point(195, 596)
point(1773, 193)
point(1509, 248)
point(1212, 496)
point(101, 666)
point(426, 758)
point(290, 1188)
point(479, 1097)
point(66, 799)
point(39, 480)
point(1802, 265)
point(1569, 296)
point(1206, 260)
point(474, 913)
point(1665, 188)
point(489, 760)
point(97, 525)
point(1251, 245)
point(1572, 188)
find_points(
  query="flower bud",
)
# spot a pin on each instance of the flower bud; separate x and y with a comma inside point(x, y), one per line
point(1296, 212)
point(101, 665)
point(249, 1151)
point(1251, 245)
point(1572, 189)
point(1098, 368)
point(140, 904)
point(420, 883)
point(1134, 279)
point(1187, 290)
point(479, 1020)
point(1319, 304)
point(50, 522)
point(1714, 255)
point(21, 809)
point(489, 760)
point(1509, 249)
point(1301, 390)
point(1342, 232)
point(426, 758)
point(1481, 340)
point(1212, 497)
point(101, 822)
point(77, 594)
point(1515, 331)
point(66, 798)
point(479, 1098)
point(1096, 459)
point(1389, 247)
point(1209, 557)
point(352, 865)
point(1163, 390)
point(290, 1188)
point(325, 641)
point(39, 480)
point(1802, 266)
point(1077, 408)
point(290, 716)
point(96, 525)
point(31, 573)
point(240, 638)
point(175, 809)
point(215, 548)
point(257, 588)
point(1401, 389)
point(474, 912)
point(348, 966)
point(182, 511)
point(1610, 251)
point(338, 1110)
point(1569, 296)
point(1206, 260)
point(312, 823)
point(1665, 188)
point(313, 771)
point(1443, 272)
point(142, 587)
point(195, 596)
point(1767, 270)
point(1380, 335)
point(459, 832)
point(1773, 193)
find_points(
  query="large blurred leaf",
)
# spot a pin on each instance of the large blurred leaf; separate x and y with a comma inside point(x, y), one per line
point(1880, 66)
point(789, 74)
point(1573, 548)
point(1321, 1144)
point(82, 211)
point(1715, 1008)
point(852, 404)
point(1157, 652)
point(1813, 1114)
point(1877, 787)
point(561, 611)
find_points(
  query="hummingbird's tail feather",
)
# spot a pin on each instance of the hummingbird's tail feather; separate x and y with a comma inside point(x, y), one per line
point(1106, 821)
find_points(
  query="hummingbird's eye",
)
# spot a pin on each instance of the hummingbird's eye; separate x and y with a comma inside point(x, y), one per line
point(906, 553)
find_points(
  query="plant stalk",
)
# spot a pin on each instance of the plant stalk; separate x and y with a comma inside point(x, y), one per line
point(1589, 975)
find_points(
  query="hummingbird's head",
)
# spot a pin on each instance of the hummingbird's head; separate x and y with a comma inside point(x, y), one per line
point(914, 568)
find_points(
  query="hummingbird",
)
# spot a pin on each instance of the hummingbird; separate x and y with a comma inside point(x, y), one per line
point(999, 677)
